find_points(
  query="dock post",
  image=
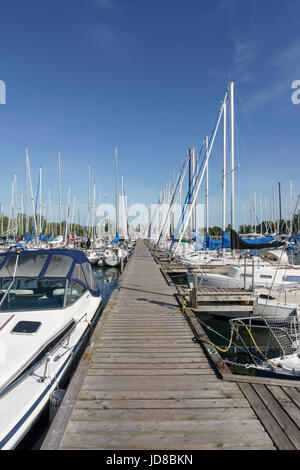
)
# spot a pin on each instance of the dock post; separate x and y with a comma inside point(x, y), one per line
point(195, 291)
point(193, 288)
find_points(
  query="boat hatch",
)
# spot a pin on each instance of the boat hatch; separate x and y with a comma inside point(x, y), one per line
point(26, 327)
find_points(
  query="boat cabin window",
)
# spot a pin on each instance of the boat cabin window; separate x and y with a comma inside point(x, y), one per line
point(89, 275)
point(78, 273)
point(59, 266)
point(73, 292)
point(34, 294)
point(291, 278)
point(266, 276)
point(245, 275)
point(28, 265)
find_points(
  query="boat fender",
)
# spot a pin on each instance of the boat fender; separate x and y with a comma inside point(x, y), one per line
point(54, 402)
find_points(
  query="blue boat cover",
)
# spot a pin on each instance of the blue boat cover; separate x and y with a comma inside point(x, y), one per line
point(50, 264)
point(226, 242)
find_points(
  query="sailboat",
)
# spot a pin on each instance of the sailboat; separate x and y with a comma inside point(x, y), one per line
point(284, 361)
point(112, 255)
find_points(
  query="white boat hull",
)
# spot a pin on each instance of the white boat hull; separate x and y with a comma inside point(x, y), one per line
point(111, 260)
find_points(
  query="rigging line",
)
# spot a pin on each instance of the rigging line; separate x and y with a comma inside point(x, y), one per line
point(283, 250)
point(190, 194)
point(188, 199)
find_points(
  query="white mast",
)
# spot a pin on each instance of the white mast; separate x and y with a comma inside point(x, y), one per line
point(231, 87)
point(72, 228)
point(260, 210)
point(116, 183)
point(206, 191)
point(26, 200)
point(59, 195)
point(22, 214)
point(16, 204)
point(67, 213)
point(89, 200)
point(291, 206)
point(40, 203)
point(224, 164)
point(255, 213)
point(31, 193)
point(93, 213)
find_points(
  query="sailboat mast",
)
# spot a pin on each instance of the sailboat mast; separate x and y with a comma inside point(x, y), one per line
point(291, 206)
point(279, 206)
point(224, 164)
point(117, 196)
point(31, 194)
point(93, 216)
point(89, 200)
point(206, 190)
point(59, 195)
point(26, 199)
point(40, 199)
point(231, 87)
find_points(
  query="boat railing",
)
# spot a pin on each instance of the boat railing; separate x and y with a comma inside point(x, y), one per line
point(284, 333)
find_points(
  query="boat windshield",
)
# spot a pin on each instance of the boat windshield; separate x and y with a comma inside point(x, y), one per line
point(38, 294)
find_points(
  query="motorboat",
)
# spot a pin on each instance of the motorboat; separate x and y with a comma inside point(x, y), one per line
point(49, 304)
point(248, 276)
point(277, 286)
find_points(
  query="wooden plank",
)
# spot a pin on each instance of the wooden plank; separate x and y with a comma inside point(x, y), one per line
point(286, 402)
point(225, 308)
point(276, 433)
point(153, 383)
point(282, 418)
point(258, 380)
point(156, 357)
point(173, 440)
point(140, 349)
point(209, 426)
point(202, 392)
point(164, 404)
point(175, 414)
point(294, 394)
point(149, 372)
point(224, 298)
point(115, 366)
point(145, 336)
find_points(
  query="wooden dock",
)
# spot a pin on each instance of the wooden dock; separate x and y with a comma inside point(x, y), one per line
point(147, 384)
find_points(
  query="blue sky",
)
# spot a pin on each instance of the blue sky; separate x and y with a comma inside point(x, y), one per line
point(149, 76)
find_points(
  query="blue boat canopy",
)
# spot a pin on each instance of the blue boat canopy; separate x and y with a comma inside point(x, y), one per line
point(49, 264)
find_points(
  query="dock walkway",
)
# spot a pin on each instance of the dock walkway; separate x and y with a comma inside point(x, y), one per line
point(146, 384)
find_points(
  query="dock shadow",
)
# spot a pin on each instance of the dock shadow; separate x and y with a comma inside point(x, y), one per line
point(161, 304)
